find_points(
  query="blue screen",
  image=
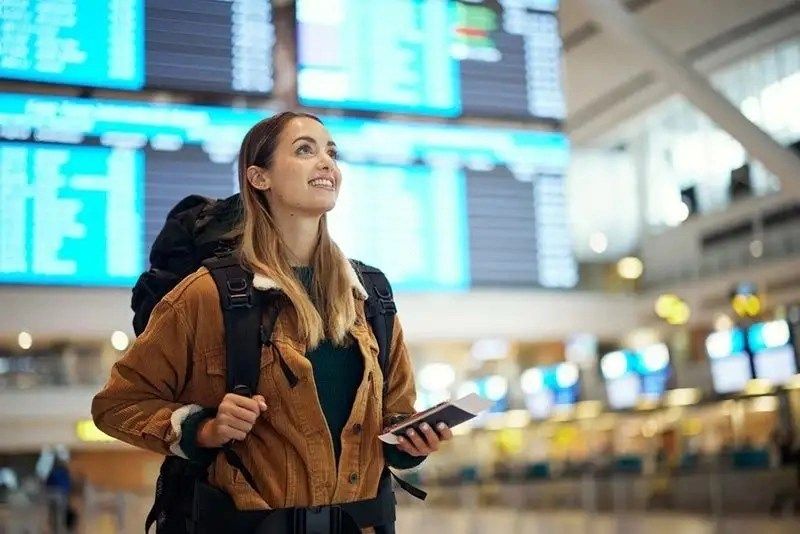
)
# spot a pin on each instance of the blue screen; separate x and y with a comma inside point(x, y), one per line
point(439, 57)
point(415, 227)
point(437, 207)
point(71, 215)
point(549, 387)
point(210, 46)
point(81, 42)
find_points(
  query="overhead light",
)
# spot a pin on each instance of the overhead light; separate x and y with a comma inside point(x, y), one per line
point(680, 314)
point(119, 340)
point(677, 213)
point(672, 309)
point(25, 340)
point(746, 305)
point(630, 268)
point(756, 248)
point(598, 242)
point(665, 303)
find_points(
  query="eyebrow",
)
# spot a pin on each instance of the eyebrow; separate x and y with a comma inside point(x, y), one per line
point(311, 140)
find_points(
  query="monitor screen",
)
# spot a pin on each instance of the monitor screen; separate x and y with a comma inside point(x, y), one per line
point(635, 375)
point(729, 361)
point(451, 58)
point(491, 387)
point(774, 355)
point(203, 45)
point(550, 387)
point(437, 207)
point(81, 42)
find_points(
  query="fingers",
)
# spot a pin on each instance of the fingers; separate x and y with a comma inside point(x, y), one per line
point(424, 441)
point(262, 402)
point(444, 432)
point(236, 415)
point(417, 443)
point(234, 422)
point(238, 412)
point(251, 404)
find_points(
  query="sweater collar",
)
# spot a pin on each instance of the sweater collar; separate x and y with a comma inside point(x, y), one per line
point(263, 282)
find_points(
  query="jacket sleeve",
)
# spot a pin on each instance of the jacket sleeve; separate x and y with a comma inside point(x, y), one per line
point(400, 396)
point(138, 404)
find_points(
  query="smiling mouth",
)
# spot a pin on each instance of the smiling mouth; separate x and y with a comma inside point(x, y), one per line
point(323, 183)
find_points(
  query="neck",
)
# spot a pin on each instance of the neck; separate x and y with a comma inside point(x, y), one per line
point(299, 233)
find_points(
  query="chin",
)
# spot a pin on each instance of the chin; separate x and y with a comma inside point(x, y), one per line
point(320, 209)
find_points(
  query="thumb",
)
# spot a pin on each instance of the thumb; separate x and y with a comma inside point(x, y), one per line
point(262, 402)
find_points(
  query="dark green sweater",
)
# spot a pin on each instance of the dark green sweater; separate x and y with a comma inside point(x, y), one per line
point(337, 374)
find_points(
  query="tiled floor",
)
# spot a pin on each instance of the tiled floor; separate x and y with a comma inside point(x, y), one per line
point(421, 520)
point(125, 514)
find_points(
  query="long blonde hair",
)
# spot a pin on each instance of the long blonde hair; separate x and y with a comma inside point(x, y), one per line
point(330, 310)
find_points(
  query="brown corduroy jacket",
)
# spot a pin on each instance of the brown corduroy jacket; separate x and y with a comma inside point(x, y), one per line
point(177, 366)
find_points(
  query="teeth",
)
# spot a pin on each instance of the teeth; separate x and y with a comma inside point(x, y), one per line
point(322, 182)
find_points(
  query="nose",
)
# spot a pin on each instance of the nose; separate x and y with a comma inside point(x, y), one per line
point(326, 162)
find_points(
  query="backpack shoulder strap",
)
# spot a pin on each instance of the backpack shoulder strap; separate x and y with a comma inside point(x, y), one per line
point(246, 330)
point(241, 313)
point(380, 310)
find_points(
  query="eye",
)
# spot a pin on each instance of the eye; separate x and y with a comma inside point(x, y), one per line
point(303, 149)
point(333, 153)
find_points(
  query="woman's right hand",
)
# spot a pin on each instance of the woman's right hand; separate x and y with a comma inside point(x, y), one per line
point(235, 418)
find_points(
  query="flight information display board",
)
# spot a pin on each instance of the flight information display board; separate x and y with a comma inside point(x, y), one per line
point(80, 42)
point(220, 46)
point(437, 207)
point(493, 58)
point(70, 214)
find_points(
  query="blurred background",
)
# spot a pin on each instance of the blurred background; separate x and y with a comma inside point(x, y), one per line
point(589, 210)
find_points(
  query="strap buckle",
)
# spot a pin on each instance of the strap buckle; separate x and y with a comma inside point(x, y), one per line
point(386, 301)
point(238, 294)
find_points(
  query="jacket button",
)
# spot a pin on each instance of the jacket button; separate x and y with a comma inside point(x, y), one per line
point(353, 478)
point(357, 428)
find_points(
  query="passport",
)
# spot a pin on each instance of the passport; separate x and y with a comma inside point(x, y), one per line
point(451, 413)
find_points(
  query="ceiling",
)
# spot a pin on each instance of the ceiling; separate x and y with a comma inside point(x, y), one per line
point(606, 81)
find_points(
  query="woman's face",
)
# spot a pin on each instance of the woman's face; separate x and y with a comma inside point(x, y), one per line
point(304, 177)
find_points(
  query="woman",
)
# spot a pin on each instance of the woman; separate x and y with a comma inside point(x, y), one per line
point(309, 443)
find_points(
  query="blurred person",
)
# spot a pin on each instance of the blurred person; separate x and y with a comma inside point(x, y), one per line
point(59, 488)
point(311, 442)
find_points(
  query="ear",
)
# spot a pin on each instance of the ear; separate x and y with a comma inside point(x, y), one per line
point(258, 178)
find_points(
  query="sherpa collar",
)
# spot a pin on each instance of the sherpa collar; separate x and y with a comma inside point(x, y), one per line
point(263, 282)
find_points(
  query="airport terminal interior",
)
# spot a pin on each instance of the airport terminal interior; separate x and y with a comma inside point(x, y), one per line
point(589, 212)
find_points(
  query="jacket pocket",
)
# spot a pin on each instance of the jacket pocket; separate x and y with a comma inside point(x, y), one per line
point(214, 363)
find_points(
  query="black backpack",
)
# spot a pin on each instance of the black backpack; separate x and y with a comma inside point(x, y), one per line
point(201, 231)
